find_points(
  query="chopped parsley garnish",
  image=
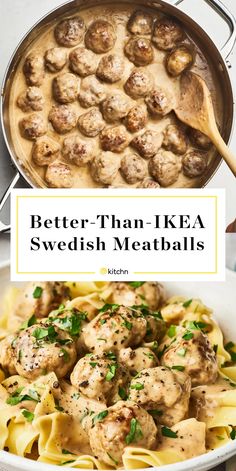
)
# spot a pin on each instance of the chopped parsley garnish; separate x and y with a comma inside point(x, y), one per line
point(101, 339)
point(28, 415)
point(229, 346)
point(187, 303)
point(135, 432)
point(182, 352)
point(161, 352)
point(127, 324)
point(103, 321)
point(100, 417)
point(122, 393)
point(111, 356)
point(109, 307)
point(215, 348)
point(233, 434)
point(17, 397)
point(171, 332)
point(154, 345)
point(219, 437)
point(136, 284)
point(66, 452)
point(112, 459)
point(145, 311)
point(167, 432)
point(187, 336)
point(46, 334)
point(155, 412)
point(29, 322)
point(57, 406)
point(65, 355)
point(194, 325)
point(112, 372)
point(75, 396)
point(66, 462)
point(137, 386)
point(71, 323)
point(149, 355)
point(37, 292)
point(93, 364)
point(178, 368)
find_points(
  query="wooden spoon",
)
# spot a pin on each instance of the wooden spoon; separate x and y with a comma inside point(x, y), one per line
point(195, 109)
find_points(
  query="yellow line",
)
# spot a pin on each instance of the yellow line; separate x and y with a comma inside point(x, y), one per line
point(56, 272)
point(175, 273)
point(115, 196)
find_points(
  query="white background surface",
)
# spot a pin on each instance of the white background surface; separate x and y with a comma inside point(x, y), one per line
point(17, 16)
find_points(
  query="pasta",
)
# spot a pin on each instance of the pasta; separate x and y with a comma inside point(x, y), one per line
point(112, 375)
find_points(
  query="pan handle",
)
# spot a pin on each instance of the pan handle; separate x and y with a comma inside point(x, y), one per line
point(5, 227)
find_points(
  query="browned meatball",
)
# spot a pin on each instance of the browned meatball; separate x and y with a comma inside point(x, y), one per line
point(33, 126)
point(7, 356)
point(195, 164)
point(148, 183)
point(165, 168)
point(114, 139)
point(70, 32)
point(65, 88)
point(140, 22)
point(139, 51)
point(167, 33)
point(115, 107)
point(58, 175)
point(31, 99)
point(133, 168)
point(104, 168)
point(55, 59)
point(110, 68)
point(159, 102)
point(175, 140)
point(92, 92)
point(33, 69)
point(148, 143)
point(91, 123)
point(139, 83)
point(77, 151)
point(100, 36)
point(179, 60)
point(45, 151)
point(63, 118)
point(83, 62)
point(199, 139)
point(137, 118)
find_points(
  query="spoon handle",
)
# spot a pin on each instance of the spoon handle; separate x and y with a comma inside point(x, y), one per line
point(223, 150)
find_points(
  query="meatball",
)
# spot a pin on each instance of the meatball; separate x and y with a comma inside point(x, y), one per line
point(55, 59)
point(104, 168)
point(77, 151)
point(38, 350)
point(190, 439)
point(115, 107)
point(114, 139)
point(199, 139)
point(92, 92)
point(165, 168)
point(83, 62)
point(100, 36)
point(148, 143)
point(140, 23)
point(113, 329)
point(159, 102)
point(31, 100)
point(162, 389)
point(7, 356)
point(70, 32)
point(45, 151)
point(133, 168)
point(137, 118)
point(91, 123)
point(139, 51)
point(199, 359)
point(63, 118)
point(175, 140)
point(179, 60)
point(33, 69)
point(167, 33)
point(33, 126)
point(59, 175)
point(40, 298)
point(65, 88)
point(111, 435)
point(152, 294)
point(137, 360)
point(110, 68)
point(139, 83)
point(99, 377)
point(148, 183)
point(195, 164)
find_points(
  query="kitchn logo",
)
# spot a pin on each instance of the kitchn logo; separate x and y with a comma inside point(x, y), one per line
point(113, 271)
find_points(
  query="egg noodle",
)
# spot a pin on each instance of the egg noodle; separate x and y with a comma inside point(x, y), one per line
point(46, 419)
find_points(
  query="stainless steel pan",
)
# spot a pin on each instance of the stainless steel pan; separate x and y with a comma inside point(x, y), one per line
point(216, 58)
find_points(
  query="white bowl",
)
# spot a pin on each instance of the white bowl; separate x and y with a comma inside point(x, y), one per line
point(219, 296)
